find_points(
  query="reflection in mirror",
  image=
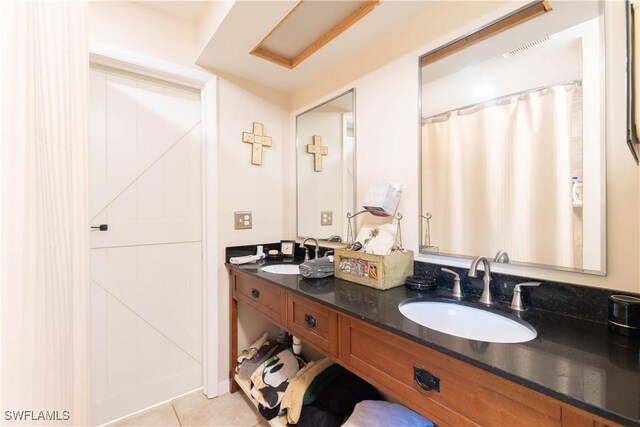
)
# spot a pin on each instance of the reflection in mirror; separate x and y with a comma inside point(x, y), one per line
point(325, 160)
point(513, 143)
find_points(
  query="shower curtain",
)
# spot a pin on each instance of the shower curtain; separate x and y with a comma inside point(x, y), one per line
point(498, 176)
point(44, 213)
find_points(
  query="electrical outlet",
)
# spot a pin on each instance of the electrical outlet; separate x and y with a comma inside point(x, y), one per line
point(326, 218)
point(242, 220)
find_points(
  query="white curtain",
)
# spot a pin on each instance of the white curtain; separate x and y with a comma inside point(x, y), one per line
point(44, 210)
point(498, 176)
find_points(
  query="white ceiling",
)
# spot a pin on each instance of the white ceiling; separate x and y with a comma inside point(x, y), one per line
point(184, 10)
point(248, 22)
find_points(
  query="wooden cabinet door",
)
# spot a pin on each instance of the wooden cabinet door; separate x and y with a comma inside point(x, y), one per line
point(266, 298)
point(439, 386)
point(315, 324)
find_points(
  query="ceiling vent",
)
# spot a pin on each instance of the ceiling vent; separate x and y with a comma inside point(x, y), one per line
point(527, 46)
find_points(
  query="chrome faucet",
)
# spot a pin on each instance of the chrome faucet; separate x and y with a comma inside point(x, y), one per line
point(306, 252)
point(457, 290)
point(516, 301)
point(502, 256)
point(486, 297)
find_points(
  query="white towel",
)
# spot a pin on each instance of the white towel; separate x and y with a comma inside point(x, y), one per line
point(378, 413)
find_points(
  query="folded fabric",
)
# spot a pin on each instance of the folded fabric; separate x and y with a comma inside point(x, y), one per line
point(271, 379)
point(294, 395)
point(317, 268)
point(253, 348)
point(378, 239)
point(313, 416)
point(374, 413)
point(320, 382)
point(344, 392)
point(248, 366)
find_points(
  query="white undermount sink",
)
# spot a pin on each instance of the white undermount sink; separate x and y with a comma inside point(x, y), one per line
point(467, 322)
point(281, 269)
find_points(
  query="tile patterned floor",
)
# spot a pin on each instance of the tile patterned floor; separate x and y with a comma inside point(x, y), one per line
point(194, 409)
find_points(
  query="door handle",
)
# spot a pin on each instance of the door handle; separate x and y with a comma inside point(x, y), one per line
point(426, 380)
point(101, 227)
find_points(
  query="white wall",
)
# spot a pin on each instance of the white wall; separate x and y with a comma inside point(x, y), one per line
point(246, 187)
point(387, 112)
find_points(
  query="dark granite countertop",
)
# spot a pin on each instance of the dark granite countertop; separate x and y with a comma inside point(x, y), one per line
point(573, 360)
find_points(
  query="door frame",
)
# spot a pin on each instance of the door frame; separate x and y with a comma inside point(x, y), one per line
point(207, 84)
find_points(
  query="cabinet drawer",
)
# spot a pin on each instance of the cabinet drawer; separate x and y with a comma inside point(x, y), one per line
point(398, 365)
point(266, 298)
point(313, 323)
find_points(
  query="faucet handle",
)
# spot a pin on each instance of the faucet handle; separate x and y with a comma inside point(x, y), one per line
point(457, 290)
point(516, 301)
point(502, 256)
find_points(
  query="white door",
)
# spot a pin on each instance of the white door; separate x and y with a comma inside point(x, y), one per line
point(146, 269)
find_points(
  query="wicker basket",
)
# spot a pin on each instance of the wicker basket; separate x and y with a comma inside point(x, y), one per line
point(376, 271)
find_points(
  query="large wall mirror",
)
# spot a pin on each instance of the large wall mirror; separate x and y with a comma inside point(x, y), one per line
point(325, 162)
point(512, 140)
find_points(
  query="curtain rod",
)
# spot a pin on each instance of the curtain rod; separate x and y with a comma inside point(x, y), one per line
point(500, 98)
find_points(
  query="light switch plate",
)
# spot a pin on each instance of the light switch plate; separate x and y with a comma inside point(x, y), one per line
point(326, 218)
point(242, 220)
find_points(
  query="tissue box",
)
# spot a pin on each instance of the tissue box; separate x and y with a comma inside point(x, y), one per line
point(375, 271)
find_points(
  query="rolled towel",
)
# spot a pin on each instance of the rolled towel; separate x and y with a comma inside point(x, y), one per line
point(246, 259)
point(317, 268)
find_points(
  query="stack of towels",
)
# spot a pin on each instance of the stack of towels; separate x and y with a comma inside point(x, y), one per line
point(317, 268)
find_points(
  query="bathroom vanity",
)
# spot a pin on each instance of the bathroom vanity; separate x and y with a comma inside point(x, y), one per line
point(564, 377)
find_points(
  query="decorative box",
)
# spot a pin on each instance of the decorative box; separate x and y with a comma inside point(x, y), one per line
point(376, 271)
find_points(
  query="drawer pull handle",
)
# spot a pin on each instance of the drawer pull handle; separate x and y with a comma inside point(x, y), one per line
point(255, 293)
point(309, 320)
point(425, 380)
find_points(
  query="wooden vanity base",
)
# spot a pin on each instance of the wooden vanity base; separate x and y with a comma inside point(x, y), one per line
point(443, 389)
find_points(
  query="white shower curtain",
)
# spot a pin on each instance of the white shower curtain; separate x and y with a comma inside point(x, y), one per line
point(44, 213)
point(498, 176)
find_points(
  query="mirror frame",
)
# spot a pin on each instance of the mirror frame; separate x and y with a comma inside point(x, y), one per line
point(355, 159)
point(506, 22)
point(632, 97)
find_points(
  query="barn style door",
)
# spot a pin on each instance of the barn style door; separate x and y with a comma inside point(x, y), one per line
point(146, 267)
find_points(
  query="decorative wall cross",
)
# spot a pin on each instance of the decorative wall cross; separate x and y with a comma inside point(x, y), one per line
point(318, 150)
point(257, 139)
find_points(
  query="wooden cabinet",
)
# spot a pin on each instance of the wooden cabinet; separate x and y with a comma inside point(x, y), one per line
point(441, 388)
point(266, 298)
point(573, 417)
point(313, 323)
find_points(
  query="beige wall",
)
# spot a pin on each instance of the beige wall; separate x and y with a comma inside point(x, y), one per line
point(139, 29)
point(246, 187)
point(387, 131)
